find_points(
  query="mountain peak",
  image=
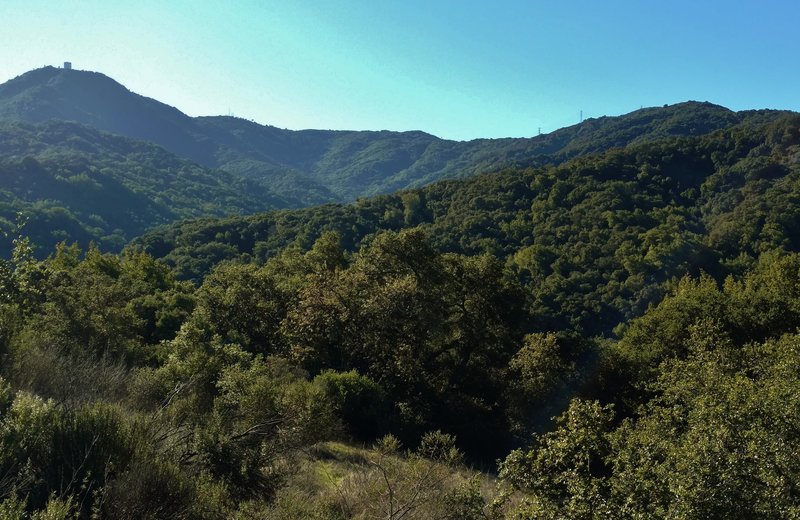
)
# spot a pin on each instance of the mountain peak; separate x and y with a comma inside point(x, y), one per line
point(57, 93)
point(51, 76)
point(94, 99)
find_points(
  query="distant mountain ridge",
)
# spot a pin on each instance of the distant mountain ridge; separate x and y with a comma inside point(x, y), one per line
point(316, 166)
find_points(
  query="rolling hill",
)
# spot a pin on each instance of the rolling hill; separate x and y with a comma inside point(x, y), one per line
point(597, 239)
point(83, 158)
point(316, 166)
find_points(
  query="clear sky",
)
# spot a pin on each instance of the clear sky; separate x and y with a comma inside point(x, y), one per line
point(457, 69)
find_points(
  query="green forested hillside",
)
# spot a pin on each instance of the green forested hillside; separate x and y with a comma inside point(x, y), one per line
point(596, 240)
point(316, 166)
point(71, 182)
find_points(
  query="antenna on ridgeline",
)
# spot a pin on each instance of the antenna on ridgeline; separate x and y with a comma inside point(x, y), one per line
point(581, 116)
point(540, 130)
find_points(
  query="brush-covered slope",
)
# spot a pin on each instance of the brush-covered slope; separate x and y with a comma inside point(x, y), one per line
point(596, 239)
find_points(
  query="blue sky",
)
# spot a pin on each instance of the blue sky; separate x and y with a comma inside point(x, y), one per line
point(457, 69)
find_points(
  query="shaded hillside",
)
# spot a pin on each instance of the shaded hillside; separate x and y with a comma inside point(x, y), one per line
point(72, 182)
point(315, 166)
point(94, 99)
point(596, 239)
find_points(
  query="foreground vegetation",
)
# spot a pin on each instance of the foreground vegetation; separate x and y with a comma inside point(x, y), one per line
point(128, 394)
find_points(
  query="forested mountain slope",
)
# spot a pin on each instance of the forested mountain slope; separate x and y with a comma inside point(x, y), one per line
point(72, 182)
point(596, 239)
point(314, 166)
